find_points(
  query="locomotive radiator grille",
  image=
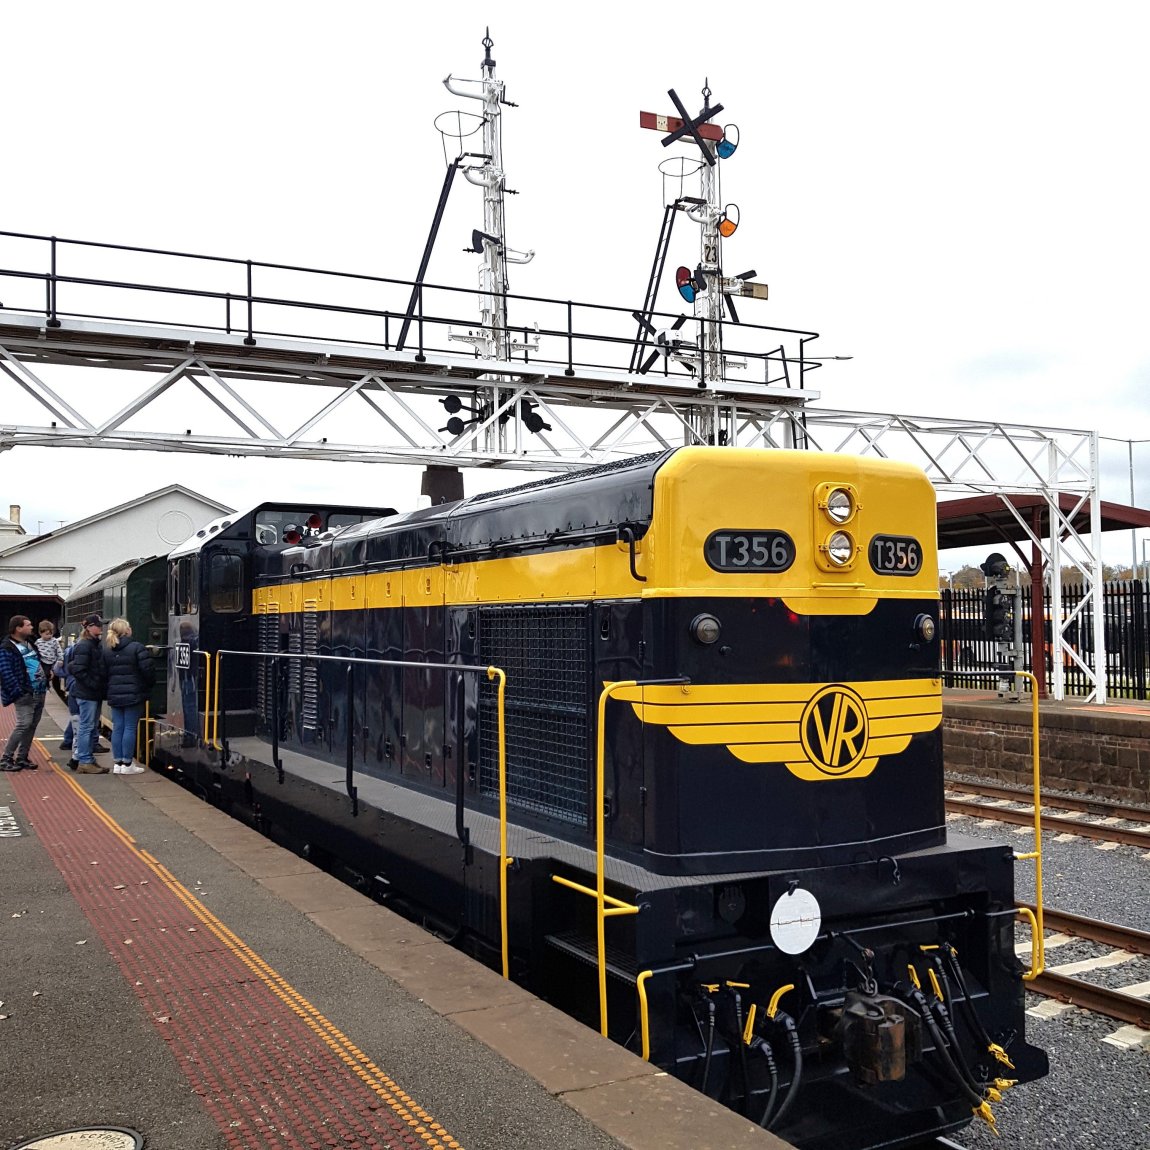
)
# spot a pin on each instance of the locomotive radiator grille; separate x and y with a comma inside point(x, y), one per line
point(309, 711)
point(269, 640)
point(546, 652)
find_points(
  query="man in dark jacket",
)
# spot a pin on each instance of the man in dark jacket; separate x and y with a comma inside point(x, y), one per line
point(91, 680)
point(23, 685)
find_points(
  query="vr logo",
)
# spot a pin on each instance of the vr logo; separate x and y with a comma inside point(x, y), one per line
point(835, 729)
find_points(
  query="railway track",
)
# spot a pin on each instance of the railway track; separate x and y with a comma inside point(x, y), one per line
point(1106, 808)
point(1120, 1004)
point(988, 806)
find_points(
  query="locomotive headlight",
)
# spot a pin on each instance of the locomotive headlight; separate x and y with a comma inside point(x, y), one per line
point(924, 627)
point(840, 505)
point(705, 629)
point(840, 548)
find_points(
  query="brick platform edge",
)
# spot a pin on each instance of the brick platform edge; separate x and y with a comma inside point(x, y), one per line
point(1081, 750)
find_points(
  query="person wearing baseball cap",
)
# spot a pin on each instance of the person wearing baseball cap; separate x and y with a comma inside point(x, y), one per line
point(91, 681)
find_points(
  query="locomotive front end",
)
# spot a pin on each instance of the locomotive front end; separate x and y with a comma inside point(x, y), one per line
point(828, 950)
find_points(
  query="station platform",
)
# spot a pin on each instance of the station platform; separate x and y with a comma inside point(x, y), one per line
point(168, 971)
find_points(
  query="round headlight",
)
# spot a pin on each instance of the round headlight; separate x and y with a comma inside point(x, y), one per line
point(924, 627)
point(840, 505)
point(705, 629)
point(840, 548)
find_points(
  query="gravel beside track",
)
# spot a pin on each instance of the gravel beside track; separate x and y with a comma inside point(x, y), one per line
point(1097, 1097)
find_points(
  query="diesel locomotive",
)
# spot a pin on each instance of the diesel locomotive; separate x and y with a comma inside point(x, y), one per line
point(700, 804)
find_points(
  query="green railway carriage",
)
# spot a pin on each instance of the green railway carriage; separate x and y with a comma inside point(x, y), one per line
point(134, 590)
point(722, 710)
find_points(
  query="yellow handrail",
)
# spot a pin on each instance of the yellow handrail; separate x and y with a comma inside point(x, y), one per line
point(600, 836)
point(644, 1024)
point(617, 905)
point(1038, 946)
point(148, 722)
point(504, 861)
point(208, 717)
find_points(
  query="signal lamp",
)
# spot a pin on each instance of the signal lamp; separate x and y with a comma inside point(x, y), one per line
point(998, 614)
point(292, 534)
point(729, 221)
point(729, 143)
point(455, 425)
point(452, 404)
point(314, 521)
point(685, 284)
point(994, 566)
point(840, 505)
point(532, 420)
point(840, 548)
point(705, 629)
point(924, 627)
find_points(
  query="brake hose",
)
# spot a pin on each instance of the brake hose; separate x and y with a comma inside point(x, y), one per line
point(797, 1072)
point(976, 1099)
point(765, 1047)
point(710, 1043)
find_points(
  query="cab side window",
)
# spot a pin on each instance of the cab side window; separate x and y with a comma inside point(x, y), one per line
point(225, 583)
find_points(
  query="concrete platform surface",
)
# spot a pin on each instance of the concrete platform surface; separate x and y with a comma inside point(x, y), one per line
point(473, 1060)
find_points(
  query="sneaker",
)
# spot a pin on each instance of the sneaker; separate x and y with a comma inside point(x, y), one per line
point(91, 769)
point(73, 763)
point(27, 765)
point(7, 766)
point(131, 769)
point(98, 750)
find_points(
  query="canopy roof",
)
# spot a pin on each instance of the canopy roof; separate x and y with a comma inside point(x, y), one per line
point(983, 520)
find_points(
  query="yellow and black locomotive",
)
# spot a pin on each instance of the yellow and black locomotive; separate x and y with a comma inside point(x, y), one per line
point(724, 840)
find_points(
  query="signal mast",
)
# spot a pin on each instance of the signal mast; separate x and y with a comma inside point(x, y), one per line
point(707, 289)
point(492, 340)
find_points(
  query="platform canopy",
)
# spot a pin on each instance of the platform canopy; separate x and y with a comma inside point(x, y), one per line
point(985, 520)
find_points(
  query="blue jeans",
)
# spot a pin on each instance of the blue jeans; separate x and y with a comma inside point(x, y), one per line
point(28, 709)
point(124, 723)
point(69, 730)
point(89, 713)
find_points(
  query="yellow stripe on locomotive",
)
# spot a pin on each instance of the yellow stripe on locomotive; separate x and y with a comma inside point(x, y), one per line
point(754, 497)
point(819, 731)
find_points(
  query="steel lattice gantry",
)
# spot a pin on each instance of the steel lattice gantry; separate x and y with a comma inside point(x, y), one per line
point(568, 421)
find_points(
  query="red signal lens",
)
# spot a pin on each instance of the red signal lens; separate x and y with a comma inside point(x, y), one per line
point(291, 534)
point(685, 284)
point(314, 521)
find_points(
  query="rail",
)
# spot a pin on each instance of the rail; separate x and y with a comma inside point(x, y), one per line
point(219, 741)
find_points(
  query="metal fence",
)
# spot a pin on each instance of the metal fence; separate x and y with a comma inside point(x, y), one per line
point(966, 647)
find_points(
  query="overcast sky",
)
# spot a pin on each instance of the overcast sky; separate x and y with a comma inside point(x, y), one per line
point(954, 195)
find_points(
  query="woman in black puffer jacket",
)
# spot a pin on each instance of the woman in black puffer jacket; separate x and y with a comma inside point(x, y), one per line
point(130, 678)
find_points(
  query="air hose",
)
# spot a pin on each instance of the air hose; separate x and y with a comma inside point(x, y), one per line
point(973, 1020)
point(975, 1098)
point(764, 1048)
point(710, 1048)
point(738, 1041)
point(797, 1070)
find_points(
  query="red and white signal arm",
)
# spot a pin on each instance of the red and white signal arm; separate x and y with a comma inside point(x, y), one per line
point(659, 123)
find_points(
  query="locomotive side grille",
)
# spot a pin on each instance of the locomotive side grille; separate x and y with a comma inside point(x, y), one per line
point(269, 640)
point(546, 652)
point(310, 625)
point(295, 647)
